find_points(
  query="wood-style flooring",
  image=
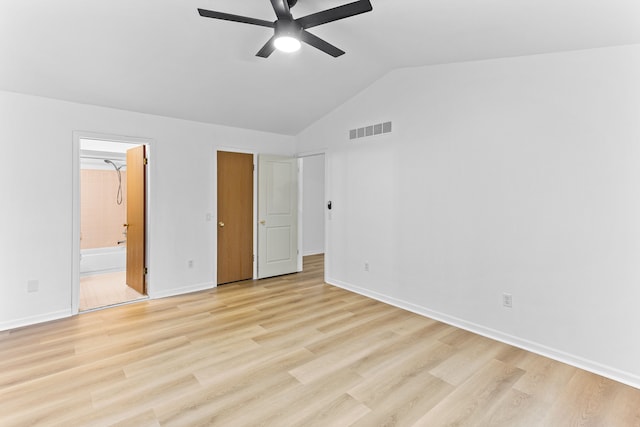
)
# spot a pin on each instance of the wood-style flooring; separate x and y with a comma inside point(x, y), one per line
point(106, 289)
point(287, 351)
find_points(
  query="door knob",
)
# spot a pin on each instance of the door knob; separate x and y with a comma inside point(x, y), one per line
point(263, 222)
point(221, 224)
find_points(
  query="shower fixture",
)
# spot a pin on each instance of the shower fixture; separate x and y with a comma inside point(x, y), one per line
point(117, 168)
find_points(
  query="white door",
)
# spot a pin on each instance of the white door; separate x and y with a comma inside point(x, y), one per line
point(277, 215)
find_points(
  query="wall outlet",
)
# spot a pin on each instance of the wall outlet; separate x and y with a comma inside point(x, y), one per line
point(190, 263)
point(507, 300)
point(366, 266)
point(33, 285)
point(208, 216)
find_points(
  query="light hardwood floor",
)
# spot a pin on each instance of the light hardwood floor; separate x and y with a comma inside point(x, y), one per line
point(106, 289)
point(287, 351)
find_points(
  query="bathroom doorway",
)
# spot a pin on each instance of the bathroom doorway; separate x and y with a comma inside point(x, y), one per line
point(112, 200)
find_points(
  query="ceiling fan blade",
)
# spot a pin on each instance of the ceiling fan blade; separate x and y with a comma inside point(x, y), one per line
point(235, 18)
point(334, 14)
point(267, 49)
point(318, 43)
point(281, 7)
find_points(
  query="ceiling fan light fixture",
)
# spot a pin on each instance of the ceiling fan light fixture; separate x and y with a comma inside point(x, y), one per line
point(287, 44)
point(287, 35)
point(290, 32)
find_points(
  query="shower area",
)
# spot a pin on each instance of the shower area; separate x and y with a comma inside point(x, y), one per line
point(103, 225)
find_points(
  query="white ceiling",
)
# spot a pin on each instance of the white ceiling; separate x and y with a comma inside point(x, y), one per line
point(161, 57)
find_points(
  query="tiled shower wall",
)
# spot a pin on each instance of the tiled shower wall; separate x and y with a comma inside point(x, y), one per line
point(101, 218)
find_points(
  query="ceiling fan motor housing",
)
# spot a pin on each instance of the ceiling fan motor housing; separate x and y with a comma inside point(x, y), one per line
point(286, 28)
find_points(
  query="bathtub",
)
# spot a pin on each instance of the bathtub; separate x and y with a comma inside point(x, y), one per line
point(103, 260)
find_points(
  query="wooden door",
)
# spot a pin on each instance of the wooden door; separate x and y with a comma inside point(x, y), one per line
point(235, 217)
point(277, 215)
point(136, 212)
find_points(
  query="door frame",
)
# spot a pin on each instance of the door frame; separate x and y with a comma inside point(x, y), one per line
point(75, 212)
point(214, 198)
point(214, 210)
point(327, 213)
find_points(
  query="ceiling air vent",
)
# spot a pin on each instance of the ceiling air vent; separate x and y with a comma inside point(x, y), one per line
point(370, 130)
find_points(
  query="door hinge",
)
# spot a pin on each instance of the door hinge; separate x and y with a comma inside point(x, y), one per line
point(253, 257)
point(145, 161)
point(146, 270)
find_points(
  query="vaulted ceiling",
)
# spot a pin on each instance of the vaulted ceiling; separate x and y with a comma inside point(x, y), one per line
point(161, 57)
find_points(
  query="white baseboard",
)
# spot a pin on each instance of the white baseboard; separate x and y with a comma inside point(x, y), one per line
point(313, 252)
point(570, 359)
point(183, 290)
point(104, 271)
point(32, 320)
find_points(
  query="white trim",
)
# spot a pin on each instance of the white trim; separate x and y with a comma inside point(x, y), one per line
point(255, 216)
point(299, 260)
point(111, 138)
point(534, 347)
point(312, 153)
point(75, 225)
point(75, 214)
point(183, 290)
point(31, 320)
point(313, 252)
point(328, 214)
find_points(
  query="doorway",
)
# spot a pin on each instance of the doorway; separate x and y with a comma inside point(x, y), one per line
point(313, 204)
point(112, 223)
point(257, 236)
point(314, 207)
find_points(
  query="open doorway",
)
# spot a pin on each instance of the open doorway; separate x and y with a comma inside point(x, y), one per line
point(112, 200)
point(313, 204)
point(250, 228)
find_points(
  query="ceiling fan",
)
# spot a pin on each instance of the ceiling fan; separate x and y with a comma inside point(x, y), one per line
point(289, 32)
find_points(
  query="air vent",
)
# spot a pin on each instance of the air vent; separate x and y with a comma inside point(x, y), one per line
point(370, 130)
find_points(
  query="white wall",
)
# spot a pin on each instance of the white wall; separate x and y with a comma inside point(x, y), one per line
point(518, 175)
point(36, 187)
point(313, 205)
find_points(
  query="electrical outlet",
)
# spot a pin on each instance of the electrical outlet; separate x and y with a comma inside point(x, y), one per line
point(507, 300)
point(366, 266)
point(190, 263)
point(208, 216)
point(33, 286)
